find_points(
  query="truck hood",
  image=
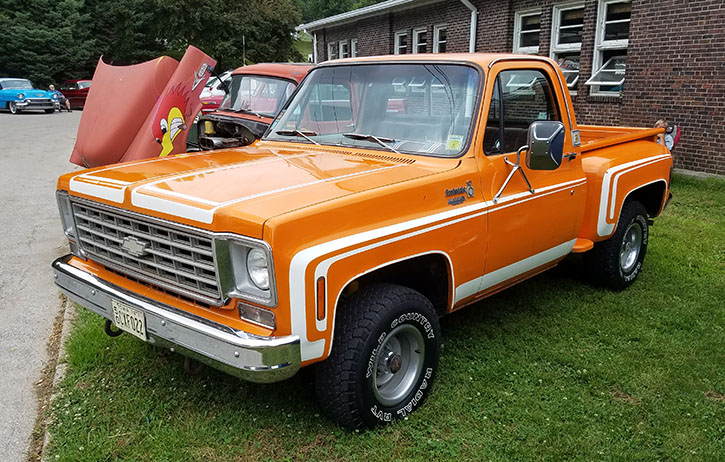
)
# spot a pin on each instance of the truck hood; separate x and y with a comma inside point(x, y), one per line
point(237, 190)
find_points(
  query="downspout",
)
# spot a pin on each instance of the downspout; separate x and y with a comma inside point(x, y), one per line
point(474, 23)
point(314, 47)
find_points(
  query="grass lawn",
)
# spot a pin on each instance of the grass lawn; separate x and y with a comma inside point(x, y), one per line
point(551, 369)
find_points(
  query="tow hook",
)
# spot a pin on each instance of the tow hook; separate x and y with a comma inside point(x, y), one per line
point(192, 366)
point(109, 331)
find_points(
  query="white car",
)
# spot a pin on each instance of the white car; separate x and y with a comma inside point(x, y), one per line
point(213, 86)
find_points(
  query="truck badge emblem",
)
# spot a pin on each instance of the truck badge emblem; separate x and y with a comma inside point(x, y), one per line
point(134, 247)
point(469, 189)
point(458, 195)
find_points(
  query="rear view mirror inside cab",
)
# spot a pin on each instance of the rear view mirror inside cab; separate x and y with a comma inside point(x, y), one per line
point(546, 145)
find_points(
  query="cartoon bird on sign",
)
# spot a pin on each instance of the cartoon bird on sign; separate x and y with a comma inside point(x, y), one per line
point(170, 118)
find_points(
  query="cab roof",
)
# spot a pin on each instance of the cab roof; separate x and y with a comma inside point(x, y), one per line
point(482, 59)
point(292, 71)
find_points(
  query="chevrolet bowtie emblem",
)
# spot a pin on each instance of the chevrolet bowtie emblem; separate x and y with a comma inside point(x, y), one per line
point(134, 247)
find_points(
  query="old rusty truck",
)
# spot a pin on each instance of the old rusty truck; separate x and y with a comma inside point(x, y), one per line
point(387, 193)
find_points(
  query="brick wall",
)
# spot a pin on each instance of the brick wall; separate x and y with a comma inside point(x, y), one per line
point(675, 61)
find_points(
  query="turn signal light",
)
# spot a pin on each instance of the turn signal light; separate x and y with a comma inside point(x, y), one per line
point(257, 315)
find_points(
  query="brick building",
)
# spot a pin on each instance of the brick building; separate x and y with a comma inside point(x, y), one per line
point(673, 53)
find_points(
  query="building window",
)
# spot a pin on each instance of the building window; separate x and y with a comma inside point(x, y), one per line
point(527, 28)
point(401, 43)
point(420, 40)
point(566, 40)
point(344, 47)
point(440, 38)
point(353, 48)
point(610, 49)
point(331, 51)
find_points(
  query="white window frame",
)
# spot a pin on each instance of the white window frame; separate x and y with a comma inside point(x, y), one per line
point(601, 45)
point(353, 48)
point(437, 37)
point(331, 51)
point(416, 39)
point(518, 19)
point(398, 35)
point(343, 43)
point(557, 48)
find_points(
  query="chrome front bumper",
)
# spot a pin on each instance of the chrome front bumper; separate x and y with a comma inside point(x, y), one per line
point(28, 104)
point(249, 357)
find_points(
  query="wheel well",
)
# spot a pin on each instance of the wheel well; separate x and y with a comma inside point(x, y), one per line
point(427, 274)
point(650, 196)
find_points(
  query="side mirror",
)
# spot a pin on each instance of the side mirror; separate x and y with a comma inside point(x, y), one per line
point(546, 145)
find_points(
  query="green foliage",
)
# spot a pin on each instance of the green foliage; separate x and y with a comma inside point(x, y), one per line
point(552, 369)
point(44, 40)
point(50, 41)
point(318, 9)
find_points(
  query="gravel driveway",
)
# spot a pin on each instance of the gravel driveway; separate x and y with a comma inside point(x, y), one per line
point(34, 150)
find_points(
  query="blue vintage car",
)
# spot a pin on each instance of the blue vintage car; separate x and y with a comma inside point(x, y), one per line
point(19, 95)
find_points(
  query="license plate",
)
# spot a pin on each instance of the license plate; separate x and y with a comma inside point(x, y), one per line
point(130, 319)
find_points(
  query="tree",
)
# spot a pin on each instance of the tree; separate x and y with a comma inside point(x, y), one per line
point(53, 40)
point(318, 9)
point(44, 40)
point(226, 30)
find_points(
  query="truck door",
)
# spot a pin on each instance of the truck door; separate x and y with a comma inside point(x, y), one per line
point(528, 231)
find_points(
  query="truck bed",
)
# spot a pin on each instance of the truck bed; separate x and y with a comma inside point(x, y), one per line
point(597, 137)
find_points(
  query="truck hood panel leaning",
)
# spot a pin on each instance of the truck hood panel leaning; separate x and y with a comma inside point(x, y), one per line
point(237, 190)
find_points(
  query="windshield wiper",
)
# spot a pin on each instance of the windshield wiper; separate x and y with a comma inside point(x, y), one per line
point(249, 111)
point(306, 134)
point(382, 141)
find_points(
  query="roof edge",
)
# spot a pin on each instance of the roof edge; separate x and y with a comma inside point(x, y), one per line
point(360, 13)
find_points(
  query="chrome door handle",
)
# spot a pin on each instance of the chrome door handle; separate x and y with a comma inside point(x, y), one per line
point(571, 156)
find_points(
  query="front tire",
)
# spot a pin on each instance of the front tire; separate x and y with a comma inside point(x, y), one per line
point(618, 261)
point(13, 107)
point(50, 111)
point(384, 360)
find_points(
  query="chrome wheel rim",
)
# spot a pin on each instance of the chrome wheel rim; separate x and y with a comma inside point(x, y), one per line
point(398, 365)
point(13, 107)
point(631, 246)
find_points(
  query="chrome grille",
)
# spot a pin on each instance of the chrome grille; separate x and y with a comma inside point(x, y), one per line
point(178, 259)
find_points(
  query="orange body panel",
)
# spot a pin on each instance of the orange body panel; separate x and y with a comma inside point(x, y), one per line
point(341, 213)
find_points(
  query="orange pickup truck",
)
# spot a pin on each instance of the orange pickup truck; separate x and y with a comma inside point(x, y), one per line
point(390, 191)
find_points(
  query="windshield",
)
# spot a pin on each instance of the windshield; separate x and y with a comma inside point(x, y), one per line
point(263, 96)
point(18, 84)
point(414, 108)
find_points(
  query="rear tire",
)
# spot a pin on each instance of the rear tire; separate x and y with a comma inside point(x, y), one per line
point(618, 261)
point(384, 360)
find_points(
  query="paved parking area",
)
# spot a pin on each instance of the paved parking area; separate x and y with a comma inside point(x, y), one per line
point(34, 150)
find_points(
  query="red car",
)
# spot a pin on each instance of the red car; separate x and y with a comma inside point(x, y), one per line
point(76, 91)
point(256, 95)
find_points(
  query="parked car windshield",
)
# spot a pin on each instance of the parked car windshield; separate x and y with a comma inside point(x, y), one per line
point(17, 84)
point(76, 85)
point(256, 94)
point(415, 108)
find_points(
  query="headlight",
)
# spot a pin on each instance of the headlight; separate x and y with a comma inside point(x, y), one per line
point(21, 96)
point(257, 268)
point(245, 269)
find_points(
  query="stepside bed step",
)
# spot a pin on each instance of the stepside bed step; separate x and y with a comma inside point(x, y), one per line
point(582, 245)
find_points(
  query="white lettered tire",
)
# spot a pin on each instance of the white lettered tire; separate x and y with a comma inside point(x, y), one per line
point(384, 359)
point(617, 262)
